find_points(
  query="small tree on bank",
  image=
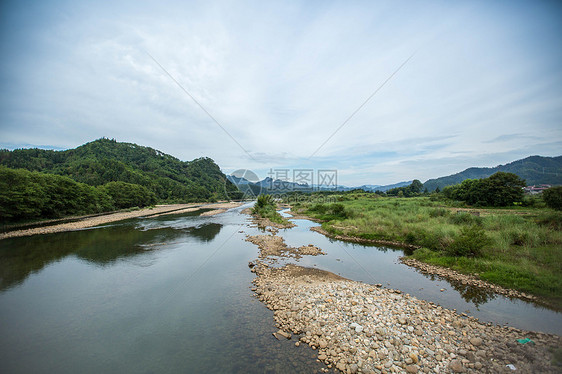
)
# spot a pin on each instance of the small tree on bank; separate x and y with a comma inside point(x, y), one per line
point(553, 197)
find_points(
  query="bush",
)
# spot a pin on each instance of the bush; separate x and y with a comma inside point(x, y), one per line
point(464, 218)
point(469, 243)
point(552, 220)
point(553, 197)
point(438, 212)
point(264, 200)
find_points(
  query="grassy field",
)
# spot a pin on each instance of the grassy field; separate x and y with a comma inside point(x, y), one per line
point(519, 248)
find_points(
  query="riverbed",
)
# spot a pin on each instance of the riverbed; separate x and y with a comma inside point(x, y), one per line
point(173, 294)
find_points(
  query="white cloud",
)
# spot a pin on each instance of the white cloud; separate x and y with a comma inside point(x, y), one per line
point(281, 78)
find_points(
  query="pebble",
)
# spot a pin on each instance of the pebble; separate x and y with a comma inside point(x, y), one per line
point(372, 329)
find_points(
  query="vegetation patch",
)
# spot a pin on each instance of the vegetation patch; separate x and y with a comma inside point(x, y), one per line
point(517, 247)
point(265, 207)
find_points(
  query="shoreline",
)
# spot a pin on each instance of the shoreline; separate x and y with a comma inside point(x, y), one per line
point(360, 328)
point(100, 219)
point(447, 273)
point(354, 239)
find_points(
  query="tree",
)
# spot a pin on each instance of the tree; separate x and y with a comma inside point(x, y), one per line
point(553, 197)
point(504, 189)
point(416, 186)
point(500, 189)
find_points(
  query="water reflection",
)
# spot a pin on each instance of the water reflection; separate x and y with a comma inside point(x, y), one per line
point(470, 294)
point(20, 257)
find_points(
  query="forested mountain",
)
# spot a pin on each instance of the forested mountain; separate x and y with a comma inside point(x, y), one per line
point(104, 160)
point(534, 169)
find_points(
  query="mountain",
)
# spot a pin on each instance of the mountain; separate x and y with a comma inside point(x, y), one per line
point(391, 186)
point(104, 160)
point(534, 169)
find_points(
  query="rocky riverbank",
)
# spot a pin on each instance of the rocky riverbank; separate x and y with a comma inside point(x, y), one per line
point(467, 279)
point(362, 328)
point(359, 328)
point(272, 246)
point(354, 239)
point(264, 222)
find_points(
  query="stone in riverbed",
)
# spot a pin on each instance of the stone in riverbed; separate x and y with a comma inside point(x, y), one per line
point(456, 366)
point(476, 341)
point(412, 368)
point(282, 333)
point(414, 357)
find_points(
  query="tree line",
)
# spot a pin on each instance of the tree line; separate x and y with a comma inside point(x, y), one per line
point(27, 195)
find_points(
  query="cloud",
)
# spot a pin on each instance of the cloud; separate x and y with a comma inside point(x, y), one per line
point(280, 78)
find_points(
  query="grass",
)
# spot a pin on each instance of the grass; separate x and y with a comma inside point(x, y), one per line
point(519, 248)
point(266, 207)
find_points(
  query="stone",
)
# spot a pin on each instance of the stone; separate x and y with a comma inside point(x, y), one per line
point(322, 344)
point(414, 357)
point(282, 333)
point(412, 368)
point(456, 366)
point(476, 341)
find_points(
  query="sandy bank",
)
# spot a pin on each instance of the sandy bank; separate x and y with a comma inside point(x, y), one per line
point(119, 216)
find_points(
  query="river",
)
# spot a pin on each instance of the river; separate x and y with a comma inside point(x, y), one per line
point(172, 294)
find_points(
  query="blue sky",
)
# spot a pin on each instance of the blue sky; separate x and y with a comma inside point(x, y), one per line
point(483, 87)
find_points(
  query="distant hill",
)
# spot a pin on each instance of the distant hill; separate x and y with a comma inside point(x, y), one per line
point(534, 169)
point(269, 185)
point(104, 160)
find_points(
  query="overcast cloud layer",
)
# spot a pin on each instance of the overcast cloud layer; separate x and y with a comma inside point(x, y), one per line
point(484, 85)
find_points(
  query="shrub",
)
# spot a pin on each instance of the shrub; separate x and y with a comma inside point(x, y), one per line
point(553, 197)
point(464, 218)
point(469, 243)
point(264, 200)
point(438, 212)
point(552, 220)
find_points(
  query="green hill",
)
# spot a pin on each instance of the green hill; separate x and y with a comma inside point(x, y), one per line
point(102, 161)
point(534, 169)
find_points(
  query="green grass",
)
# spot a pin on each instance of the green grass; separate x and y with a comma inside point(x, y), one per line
point(265, 207)
point(519, 248)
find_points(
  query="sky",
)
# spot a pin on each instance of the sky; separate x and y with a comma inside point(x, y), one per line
point(381, 91)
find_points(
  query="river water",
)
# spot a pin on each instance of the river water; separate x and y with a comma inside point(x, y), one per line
point(172, 294)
